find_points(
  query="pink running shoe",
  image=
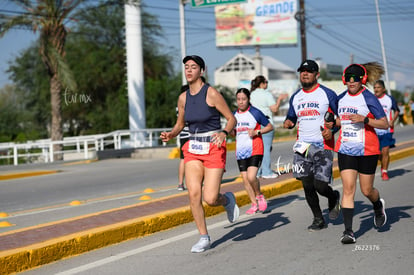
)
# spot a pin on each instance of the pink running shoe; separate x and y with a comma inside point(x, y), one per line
point(252, 210)
point(262, 203)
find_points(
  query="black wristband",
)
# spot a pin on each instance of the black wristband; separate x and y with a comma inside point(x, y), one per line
point(366, 120)
point(224, 131)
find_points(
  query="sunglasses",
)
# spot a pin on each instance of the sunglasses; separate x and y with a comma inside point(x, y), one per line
point(354, 78)
point(306, 70)
point(266, 81)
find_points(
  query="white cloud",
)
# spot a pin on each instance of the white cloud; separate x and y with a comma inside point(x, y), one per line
point(402, 80)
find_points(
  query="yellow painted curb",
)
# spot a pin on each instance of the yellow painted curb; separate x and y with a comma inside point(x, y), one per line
point(21, 259)
point(27, 174)
point(80, 162)
point(175, 153)
point(35, 255)
point(231, 146)
point(238, 179)
point(404, 153)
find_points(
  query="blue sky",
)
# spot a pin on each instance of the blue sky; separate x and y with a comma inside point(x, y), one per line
point(335, 31)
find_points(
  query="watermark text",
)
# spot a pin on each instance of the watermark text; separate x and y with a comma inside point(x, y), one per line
point(366, 247)
point(288, 167)
point(73, 98)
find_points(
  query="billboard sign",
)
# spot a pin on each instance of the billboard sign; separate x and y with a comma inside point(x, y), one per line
point(257, 22)
point(209, 3)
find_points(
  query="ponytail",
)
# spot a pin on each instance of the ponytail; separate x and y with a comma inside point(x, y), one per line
point(255, 83)
point(374, 71)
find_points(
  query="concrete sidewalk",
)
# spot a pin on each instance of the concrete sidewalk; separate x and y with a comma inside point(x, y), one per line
point(34, 246)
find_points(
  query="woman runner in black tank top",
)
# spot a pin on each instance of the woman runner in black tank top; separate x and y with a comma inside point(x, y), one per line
point(205, 152)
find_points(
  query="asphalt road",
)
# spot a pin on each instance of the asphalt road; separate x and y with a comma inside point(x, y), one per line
point(273, 243)
point(105, 185)
point(98, 186)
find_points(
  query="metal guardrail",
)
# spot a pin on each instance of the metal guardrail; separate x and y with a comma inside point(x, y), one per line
point(79, 147)
point(85, 147)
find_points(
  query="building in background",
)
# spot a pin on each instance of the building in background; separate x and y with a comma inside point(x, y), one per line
point(240, 70)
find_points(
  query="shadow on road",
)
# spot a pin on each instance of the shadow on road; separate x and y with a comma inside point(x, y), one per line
point(258, 223)
point(248, 229)
point(394, 214)
point(397, 172)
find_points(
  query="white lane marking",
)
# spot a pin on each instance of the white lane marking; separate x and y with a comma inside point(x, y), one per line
point(139, 250)
point(133, 252)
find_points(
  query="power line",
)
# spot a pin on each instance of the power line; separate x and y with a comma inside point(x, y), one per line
point(361, 46)
point(197, 27)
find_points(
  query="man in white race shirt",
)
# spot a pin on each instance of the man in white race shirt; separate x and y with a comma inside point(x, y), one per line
point(385, 135)
point(313, 150)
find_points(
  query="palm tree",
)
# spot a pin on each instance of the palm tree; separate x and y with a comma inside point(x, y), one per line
point(48, 17)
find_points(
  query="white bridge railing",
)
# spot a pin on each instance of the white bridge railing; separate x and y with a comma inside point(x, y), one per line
point(80, 147)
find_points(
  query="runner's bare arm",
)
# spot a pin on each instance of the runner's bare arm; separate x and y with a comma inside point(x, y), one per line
point(180, 123)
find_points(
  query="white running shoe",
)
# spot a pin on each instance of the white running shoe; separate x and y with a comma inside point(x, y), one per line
point(380, 217)
point(271, 176)
point(202, 245)
point(231, 207)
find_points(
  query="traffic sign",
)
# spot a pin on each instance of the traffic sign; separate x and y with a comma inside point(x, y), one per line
point(206, 3)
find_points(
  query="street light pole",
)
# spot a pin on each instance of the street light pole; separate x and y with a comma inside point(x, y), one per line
point(182, 36)
point(384, 58)
point(303, 30)
point(135, 72)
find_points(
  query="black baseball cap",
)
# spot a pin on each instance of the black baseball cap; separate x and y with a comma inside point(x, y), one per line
point(356, 70)
point(196, 59)
point(309, 65)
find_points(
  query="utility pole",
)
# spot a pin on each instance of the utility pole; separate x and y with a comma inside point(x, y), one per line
point(181, 5)
point(302, 29)
point(384, 58)
point(135, 72)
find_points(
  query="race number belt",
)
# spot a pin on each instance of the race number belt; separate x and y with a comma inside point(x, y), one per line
point(200, 143)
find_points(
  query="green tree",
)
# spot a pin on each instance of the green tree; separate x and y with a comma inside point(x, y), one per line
point(96, 55)
point(398, 96)
point(161, 101)
point(229, 95)
point(48, 17)
point(10, 114)
point(95, 52)
point(31, 84)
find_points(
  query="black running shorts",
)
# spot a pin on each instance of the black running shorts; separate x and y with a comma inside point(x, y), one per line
point(363, 164)
point(255, 161)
